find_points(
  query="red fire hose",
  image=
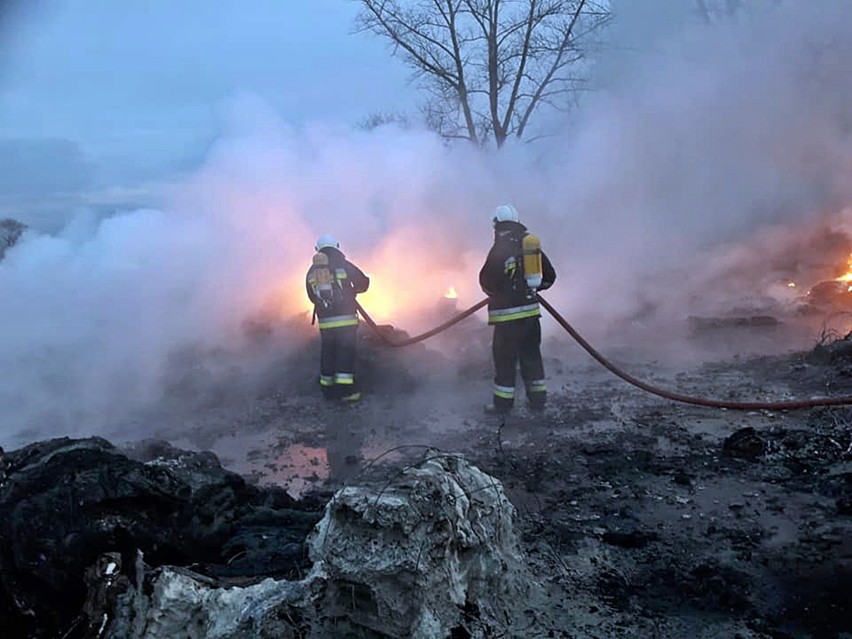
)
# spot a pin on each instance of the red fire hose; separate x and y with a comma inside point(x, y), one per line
point(687, 399)
point(627, 377)
point(423, 336)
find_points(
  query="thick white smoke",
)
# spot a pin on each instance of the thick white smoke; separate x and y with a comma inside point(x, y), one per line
point(708, 135)
point(93, 319)
point(722, 131)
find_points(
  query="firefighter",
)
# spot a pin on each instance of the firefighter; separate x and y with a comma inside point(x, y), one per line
point(332, 282)
point(514, 271)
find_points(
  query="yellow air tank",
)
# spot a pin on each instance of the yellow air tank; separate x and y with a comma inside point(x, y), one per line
point(323, 280)
point(532, 260)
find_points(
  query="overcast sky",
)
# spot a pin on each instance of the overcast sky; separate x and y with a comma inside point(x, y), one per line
point(118, 95)
point(137, 85)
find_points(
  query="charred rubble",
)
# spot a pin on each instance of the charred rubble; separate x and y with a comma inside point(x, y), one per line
point(156, 542)
point(75, 514)
point(822, 449)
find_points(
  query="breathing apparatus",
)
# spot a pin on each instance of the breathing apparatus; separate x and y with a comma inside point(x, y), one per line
point(321, 279)
point(532, 261)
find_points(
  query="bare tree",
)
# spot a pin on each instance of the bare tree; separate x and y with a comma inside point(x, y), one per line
point(10, 232)
point(379, 119)
point(489, 65)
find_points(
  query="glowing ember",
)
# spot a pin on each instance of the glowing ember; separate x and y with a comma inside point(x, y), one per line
point(451, 293)
point(846, 277)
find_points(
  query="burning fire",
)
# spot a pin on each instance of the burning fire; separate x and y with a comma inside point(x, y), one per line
point(379, 301)
point(409, 276)
point(847, 276)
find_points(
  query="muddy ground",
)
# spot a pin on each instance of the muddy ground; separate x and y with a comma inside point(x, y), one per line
point(635, 515)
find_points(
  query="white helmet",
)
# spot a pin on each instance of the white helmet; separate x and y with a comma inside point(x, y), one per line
point(324, 241)
point(505, 213)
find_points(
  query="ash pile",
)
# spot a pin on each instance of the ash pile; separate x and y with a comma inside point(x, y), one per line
point(155, 542)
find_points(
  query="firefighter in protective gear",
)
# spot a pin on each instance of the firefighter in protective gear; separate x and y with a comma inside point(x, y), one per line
point(332, 282)
point(514, 271)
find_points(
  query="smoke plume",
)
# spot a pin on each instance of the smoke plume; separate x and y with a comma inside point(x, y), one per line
point(696, 151)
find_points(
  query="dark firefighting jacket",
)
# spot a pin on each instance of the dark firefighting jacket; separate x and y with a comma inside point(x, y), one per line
point(502, 276)
point(348, 281)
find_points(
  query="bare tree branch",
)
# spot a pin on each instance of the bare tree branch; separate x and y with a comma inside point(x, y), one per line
point(452, 8)
point(11, 231)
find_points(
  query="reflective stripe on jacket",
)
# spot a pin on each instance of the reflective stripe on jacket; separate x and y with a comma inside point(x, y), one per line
point(498, 315)
point(338, 321)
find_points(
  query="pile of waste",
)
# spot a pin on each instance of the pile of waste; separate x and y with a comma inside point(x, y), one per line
point(156, 542)
point(77, 513)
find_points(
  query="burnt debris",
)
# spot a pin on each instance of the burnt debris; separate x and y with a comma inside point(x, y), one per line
point(77, 516)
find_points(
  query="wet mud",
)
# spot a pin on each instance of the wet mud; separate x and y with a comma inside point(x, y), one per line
point(642, 517)
point(639, 517)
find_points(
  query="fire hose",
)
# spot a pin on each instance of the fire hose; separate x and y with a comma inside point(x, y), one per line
point(423, 336)
point(603, 361)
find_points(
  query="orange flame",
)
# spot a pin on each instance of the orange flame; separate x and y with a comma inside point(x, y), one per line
point(408, 275)
point(847, 276)
point(379, 300)
point(409, 272)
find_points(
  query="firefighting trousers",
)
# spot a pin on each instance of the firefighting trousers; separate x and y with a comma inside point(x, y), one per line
point(518, 342)
point(337, 362)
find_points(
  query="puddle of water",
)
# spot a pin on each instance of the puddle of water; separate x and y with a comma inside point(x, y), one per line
point(335, 450)
point(297, 468)
point(268, 460)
